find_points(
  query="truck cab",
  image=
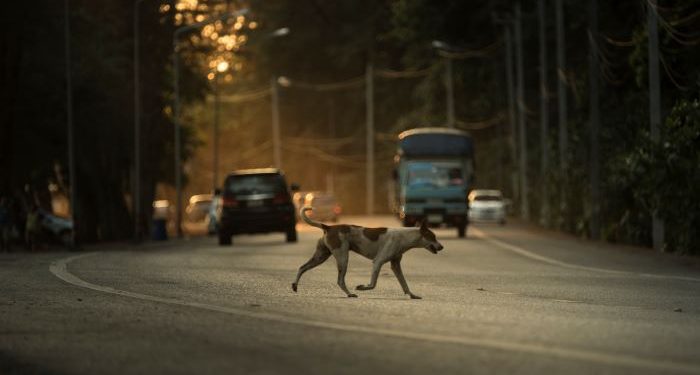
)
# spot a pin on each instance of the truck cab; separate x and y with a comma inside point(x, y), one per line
point(433, 175)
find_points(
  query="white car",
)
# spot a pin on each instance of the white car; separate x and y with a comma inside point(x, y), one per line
point(487, 205)
point(325, 206)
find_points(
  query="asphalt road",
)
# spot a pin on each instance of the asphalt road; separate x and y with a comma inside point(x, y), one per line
point(510, 299)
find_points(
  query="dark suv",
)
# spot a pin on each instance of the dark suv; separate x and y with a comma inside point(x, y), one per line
point(256, 201)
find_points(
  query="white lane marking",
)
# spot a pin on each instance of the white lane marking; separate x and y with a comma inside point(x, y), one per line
point(544, 259)
point(60, 269)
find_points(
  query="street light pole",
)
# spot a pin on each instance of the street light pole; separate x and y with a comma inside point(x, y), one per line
point(220, 68)
point(275, 104)
point(449, 86)
point(176, 108)
point(449, 83)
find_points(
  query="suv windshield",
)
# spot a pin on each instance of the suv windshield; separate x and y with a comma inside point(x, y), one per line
point(255, 184)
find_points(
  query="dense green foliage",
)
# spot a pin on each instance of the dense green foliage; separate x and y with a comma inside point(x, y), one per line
point(665, 177)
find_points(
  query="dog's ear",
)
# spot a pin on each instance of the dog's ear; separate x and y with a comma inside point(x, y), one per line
point(422, 224)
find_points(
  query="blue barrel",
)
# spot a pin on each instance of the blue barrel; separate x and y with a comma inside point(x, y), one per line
point(160, 230)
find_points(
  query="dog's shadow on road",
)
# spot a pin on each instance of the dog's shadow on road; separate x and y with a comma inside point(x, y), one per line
point(368, 298)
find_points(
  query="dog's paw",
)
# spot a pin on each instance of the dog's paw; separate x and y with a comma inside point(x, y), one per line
point(361, 287)
point(413, 296)
point(294, 287)
point(352, 295)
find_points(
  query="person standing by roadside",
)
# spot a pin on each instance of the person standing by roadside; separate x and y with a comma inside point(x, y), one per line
point(5, 225)
point(31, 229)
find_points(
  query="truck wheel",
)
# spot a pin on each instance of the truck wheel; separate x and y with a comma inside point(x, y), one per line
point(461, 230)
point(225, 239)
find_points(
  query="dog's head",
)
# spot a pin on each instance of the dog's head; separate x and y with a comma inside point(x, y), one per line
point(428, 239)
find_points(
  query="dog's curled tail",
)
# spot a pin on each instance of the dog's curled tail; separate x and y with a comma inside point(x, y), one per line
point(302, 213)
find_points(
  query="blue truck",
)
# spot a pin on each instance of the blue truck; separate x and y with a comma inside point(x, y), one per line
point(434, 172)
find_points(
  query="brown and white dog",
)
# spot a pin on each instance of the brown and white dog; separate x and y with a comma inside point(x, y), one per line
point(381, 245)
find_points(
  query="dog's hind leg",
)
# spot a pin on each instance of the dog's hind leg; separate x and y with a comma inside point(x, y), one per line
point(322, 253)
point(396, 267)
point(341, 256)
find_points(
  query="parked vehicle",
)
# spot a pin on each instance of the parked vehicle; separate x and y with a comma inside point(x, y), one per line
point(325, 206)
point(196, 220)
point(487, 205)
point(198, 207)
point(57, 227)
point(256, 201)
point(433, 174)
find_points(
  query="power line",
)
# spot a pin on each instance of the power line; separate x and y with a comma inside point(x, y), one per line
point(462, 54)
point(245, 96)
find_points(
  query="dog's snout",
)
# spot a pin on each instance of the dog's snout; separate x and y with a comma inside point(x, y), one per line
point(439, 247)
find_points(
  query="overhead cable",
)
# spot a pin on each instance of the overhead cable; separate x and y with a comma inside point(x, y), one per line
point(245, 96)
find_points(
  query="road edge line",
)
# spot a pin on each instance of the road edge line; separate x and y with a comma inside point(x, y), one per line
point(544, 259)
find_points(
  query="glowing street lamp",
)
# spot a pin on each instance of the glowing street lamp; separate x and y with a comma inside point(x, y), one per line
point(221, 67)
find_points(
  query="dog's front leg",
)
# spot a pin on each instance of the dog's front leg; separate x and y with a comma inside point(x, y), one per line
point(341, 256)
point(376, 267)
point(396, 267)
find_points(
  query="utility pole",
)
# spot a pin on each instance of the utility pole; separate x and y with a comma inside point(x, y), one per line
point(594, 125)
point(276, 146)
point(544, 118)
point(369, 103)
point(524, 203)
point(330, 177)
point(215, 132)
point(657, 227)
point(562, 102)
point(69, 119)
point(449, 88)
point(178, 152)
point(507, 36)
point(136, 196)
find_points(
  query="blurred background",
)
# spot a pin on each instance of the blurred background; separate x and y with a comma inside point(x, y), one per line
point(583, 121)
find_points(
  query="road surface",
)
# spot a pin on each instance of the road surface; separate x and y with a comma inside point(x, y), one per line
point(511, 299)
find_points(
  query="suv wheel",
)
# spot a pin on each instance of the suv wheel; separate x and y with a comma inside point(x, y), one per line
point(292, 235)
point(224, 239)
